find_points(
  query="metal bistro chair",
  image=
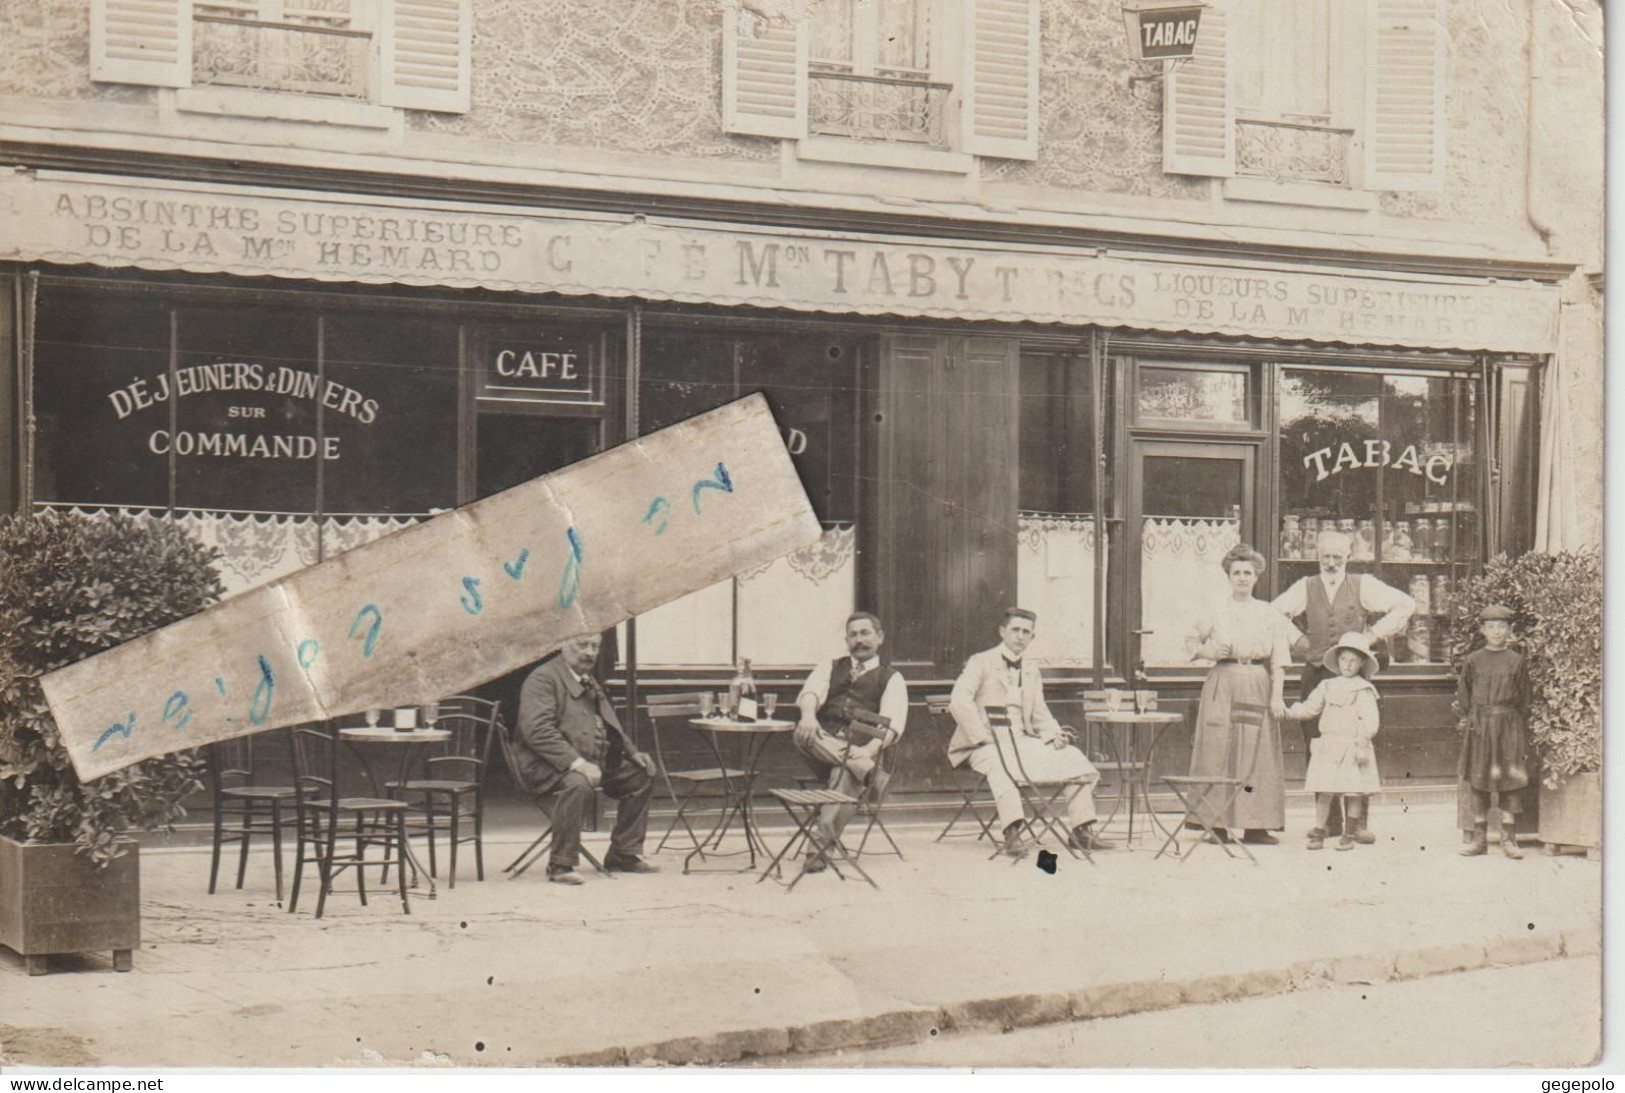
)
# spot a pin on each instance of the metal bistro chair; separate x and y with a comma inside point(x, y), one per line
point(453, 786)
point(532, 853)
point(871, 726)
point(971, 787)
point(1041, 797)
point(243, 806)
point(376, 821)
point(1248, 722)
point(683, 707)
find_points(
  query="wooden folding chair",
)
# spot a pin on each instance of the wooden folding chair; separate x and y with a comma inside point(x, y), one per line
point(683, 707)
point(1043, 798)
point(862, 728)
point(972, 789)
point(1213, 794)
point(533, 853)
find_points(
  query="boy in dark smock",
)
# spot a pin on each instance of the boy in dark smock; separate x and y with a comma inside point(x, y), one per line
point(1493, 700)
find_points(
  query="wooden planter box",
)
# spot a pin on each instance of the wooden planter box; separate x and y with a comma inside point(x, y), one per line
point(1571, 815)
point(53, 900)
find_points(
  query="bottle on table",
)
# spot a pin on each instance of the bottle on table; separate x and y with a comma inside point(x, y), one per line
point(742, 693)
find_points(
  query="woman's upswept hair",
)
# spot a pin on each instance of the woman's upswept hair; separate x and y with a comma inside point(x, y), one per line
point(1242, 552)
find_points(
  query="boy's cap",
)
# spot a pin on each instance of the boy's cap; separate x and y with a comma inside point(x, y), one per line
point(1496, 613)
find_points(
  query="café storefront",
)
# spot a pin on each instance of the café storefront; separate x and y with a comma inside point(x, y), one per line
point(1083, 430)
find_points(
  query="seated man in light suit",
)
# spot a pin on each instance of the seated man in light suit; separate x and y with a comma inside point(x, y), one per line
point(999, 679)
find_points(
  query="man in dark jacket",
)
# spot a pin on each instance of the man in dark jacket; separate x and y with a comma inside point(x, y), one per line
point(569, 741)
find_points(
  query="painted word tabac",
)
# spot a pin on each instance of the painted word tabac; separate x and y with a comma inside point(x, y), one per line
point(460, 599)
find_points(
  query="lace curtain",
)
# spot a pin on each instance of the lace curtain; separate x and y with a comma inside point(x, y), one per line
point(1055, 576)
point(256, 548)
point(1180, 580)
point(790, 611)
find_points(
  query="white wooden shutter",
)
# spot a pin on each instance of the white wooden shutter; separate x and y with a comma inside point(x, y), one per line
point(141, 41)
point(1001, 78)
point(764, 76)
point(424, 48)
point(1404, 120)
point(1199, 104)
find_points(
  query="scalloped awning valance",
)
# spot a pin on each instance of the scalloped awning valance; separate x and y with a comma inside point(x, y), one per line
point(256, 232)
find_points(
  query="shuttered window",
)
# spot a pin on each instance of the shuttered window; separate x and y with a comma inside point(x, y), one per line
point(951, 75)
point(405, 53)
point(1337, 93)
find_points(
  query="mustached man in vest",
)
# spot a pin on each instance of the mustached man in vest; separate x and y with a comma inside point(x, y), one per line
point(1332, 603)
point(860, 680)
point(1000, 680)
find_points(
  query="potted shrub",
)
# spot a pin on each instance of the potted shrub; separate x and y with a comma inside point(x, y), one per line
point(71, 587)
point(1558, 601)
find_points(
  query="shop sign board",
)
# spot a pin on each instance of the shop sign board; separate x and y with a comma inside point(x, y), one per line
point(452, 602)
point(1159, 31)
point(163, 226)
point(539, 365)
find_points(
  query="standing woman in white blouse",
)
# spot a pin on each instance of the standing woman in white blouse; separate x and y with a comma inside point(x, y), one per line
point(1250, 644)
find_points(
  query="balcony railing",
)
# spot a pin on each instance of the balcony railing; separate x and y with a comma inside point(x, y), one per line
point(305, 58)
point(1293, 151)
point(878, 107)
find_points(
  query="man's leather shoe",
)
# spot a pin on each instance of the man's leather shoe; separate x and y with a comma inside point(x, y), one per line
point(613, 864)
point(1085, 838)
point(565, 876)
point(1259, 837)
point(816, 865)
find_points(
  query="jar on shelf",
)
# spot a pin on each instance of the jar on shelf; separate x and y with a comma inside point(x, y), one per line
point(1397, 547)
point(1421, 592)
point(1422, 541)
point(1291, 536)
point(1365, 541)
point(1443, 592)
point(1345, 524)
point(1311, 532)
point(1441, 539)
point(1419, 638)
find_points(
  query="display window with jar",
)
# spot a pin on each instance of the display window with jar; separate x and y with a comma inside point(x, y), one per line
point(1390, 459)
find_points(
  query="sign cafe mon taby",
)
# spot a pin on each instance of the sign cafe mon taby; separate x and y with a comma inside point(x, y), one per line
point(153, 227)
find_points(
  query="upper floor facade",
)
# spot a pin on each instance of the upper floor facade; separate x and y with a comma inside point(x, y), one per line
point(1462, 129)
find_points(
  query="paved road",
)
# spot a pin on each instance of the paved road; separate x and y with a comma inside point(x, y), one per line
point(1520, 1016)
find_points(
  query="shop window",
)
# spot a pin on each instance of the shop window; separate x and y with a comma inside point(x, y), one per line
point(1310, 95)
point(396, 53)
point(811, 385)
point(100, 403)
point(1391, 461)
point(1056, 545)
point(1189, 397)
point(281, 436)
point(855, 79)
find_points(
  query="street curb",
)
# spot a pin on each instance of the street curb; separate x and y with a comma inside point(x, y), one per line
point(1006, 1012)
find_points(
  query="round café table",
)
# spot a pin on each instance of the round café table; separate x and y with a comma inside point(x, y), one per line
point(407, 743)
point(748, 739)
point(1123, 736)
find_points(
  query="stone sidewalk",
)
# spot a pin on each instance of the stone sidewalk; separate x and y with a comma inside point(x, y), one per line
point(718, 968)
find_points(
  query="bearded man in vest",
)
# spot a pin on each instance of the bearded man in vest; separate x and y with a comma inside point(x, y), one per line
point(1332, 603)
point(849, 764)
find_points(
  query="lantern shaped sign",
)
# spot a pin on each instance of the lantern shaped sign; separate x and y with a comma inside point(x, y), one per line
point(1161, 29)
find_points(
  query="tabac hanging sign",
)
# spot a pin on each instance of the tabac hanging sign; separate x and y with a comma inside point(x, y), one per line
point(1158, 30)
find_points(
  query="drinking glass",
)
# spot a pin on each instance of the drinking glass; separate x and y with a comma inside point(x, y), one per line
point(431, 713)
point(707, 704)
point(770, 703)
point(372, 719)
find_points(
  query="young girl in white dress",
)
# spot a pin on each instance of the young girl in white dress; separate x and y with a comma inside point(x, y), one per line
point(1342, 761)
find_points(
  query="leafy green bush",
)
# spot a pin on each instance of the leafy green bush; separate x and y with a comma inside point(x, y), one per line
point(1558, 601)
point(71, 587)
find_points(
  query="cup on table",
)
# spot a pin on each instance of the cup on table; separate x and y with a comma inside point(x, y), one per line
point(431, 713)
point(770, 703)
point(1114, 700)
point(1145, 701)
point(406, 719)
point(372, 718)
point(707, 704)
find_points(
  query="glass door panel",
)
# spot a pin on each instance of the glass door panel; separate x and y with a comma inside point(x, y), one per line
point(1191, 503)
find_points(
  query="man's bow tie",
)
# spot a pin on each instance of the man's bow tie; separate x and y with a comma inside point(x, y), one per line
point(1015, 664)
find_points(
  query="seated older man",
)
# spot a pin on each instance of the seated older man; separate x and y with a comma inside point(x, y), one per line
point(847, 758)
point(568, 742)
